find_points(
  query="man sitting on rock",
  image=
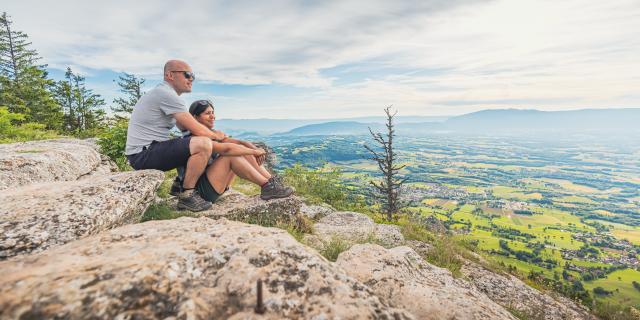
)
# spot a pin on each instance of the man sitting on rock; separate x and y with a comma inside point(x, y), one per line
point(150, 146)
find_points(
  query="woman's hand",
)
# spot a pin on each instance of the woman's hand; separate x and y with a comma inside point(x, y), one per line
point(260, 155)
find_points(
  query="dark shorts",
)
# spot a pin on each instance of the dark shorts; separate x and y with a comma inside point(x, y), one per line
point(165, 155)
point(205, 189)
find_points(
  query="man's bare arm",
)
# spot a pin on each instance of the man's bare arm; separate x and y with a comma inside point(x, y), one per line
point(186, 121)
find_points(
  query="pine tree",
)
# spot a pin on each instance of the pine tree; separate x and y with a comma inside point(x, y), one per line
point(386, 159)
point(24, 84)
point(131, 86)
point(83, 109)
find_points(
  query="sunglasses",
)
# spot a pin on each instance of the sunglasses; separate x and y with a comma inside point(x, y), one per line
point(187, 74)
point(205, 103)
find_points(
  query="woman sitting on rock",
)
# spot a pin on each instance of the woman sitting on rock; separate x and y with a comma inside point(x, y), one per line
point(230, 157)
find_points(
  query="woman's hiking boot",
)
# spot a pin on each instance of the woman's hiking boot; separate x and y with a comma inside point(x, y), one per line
point(192, 201)
point(275, 189)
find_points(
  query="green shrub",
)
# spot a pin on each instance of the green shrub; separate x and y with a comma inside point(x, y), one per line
point(113, 141)
point(323, 186)
point(413, 230)
point(609, 311)
point(10, 131)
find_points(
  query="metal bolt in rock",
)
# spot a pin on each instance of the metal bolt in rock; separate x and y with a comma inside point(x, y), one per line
point(260, 309)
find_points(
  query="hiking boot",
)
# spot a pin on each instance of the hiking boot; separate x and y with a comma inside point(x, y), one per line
point(192, 201)
point(275, 189)
point(176, 187)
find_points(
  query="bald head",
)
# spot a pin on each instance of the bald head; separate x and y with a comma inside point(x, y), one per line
point(179, 75)
point(173, 65)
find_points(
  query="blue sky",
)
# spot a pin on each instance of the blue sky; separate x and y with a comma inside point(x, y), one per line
point(331, 59)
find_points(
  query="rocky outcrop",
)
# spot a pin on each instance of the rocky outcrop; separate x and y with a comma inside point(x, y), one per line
point(349, 226)
point(512, 293)
point(353, 227)
point(186, 268)
point(316, 211)
point(388, 235)
point(403, 278)
point(63, 196)
point(252, 209)
point(421, 248)
point(46, 161)
point(39, 216)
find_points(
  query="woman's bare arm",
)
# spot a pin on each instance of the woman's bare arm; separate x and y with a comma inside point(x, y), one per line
point(232, 149)
point(240, 142)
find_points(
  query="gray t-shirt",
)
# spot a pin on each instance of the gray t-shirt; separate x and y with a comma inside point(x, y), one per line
point(152, 117)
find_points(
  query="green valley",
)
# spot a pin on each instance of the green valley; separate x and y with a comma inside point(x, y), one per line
point(562, 212)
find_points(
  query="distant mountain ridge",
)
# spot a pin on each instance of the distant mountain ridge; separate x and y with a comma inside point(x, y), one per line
point(498, 121)
point(270, 126)
point(334, 128)
point(585, 120)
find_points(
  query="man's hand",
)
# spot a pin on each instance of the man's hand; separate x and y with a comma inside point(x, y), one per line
point(219, 135)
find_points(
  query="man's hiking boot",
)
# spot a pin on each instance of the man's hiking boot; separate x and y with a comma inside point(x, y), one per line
point(192, 201)
point(275, 189)
point(176, 187)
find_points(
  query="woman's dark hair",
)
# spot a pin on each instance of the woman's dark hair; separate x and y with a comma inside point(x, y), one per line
point(199, 106)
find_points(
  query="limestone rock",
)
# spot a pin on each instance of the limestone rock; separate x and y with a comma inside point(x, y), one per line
point(405, 280)
point(352, 228)
point(185, 268)
point(237, 206)
point(36, 217)
point(510, 292)
point(106, 166)
point(316, 211)
point(349, 226)
point(388, 235)
point(48, 160)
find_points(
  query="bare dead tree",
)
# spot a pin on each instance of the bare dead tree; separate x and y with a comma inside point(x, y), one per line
point(385, 157)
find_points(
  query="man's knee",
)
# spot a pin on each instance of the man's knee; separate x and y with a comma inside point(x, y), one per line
point(200, 144)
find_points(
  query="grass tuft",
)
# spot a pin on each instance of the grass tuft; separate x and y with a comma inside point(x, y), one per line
point(334, 248)
point(162, 211)
point(445, 255)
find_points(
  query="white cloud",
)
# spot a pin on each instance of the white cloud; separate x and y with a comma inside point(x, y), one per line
point(529, 53)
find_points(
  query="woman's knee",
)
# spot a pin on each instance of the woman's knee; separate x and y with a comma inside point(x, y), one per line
point(237, 159)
